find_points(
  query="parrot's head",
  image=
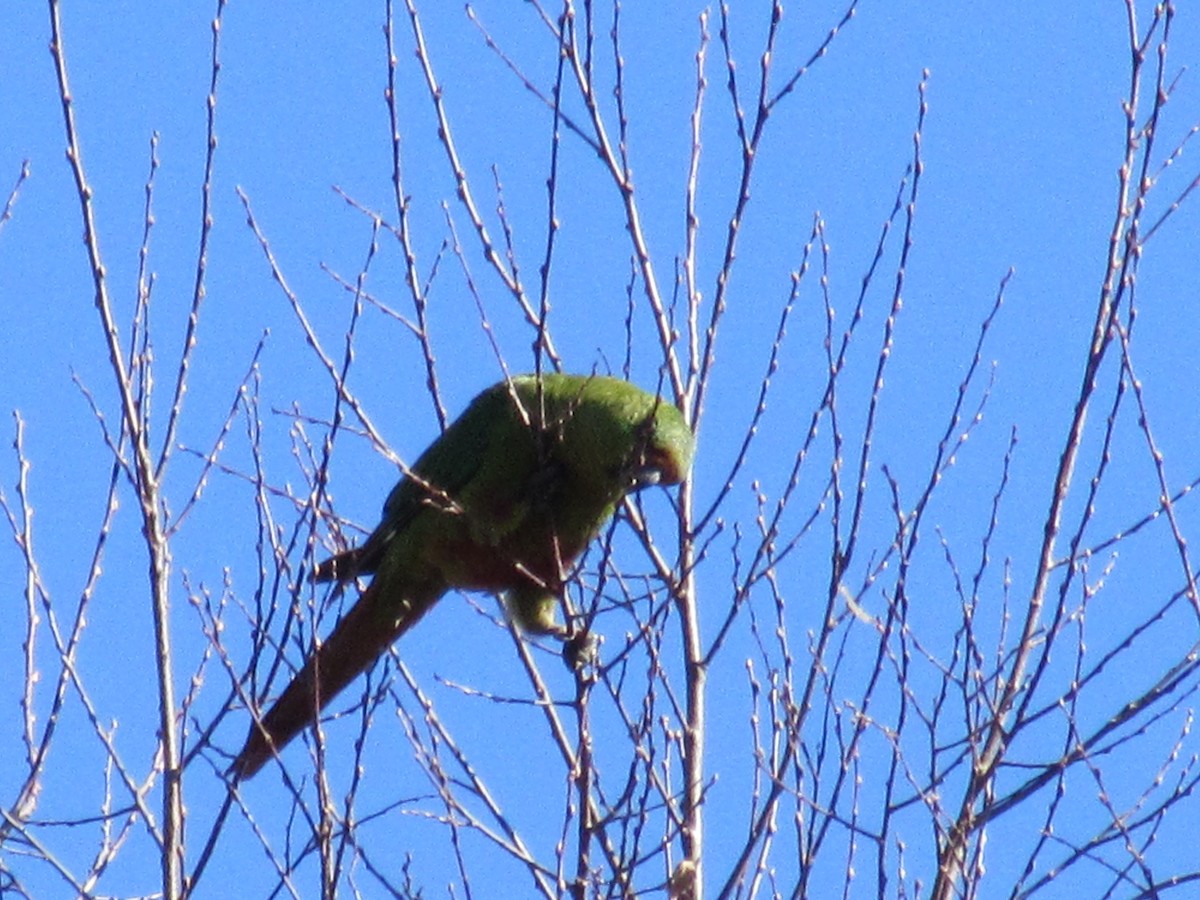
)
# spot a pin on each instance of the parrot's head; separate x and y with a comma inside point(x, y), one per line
point(663, 448)
point(617, 434)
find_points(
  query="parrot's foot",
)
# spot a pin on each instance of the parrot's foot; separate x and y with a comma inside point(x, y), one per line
point(580, 650)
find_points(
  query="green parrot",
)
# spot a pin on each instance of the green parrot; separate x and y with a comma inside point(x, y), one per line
point(504, 501)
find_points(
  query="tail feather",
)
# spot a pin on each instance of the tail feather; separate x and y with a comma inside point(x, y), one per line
point(359, 639)
point(341, 567)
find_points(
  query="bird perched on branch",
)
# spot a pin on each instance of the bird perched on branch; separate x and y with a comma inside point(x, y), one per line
point(504, 501)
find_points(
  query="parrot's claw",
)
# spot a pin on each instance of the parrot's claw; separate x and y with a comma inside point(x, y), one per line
point(580, 650)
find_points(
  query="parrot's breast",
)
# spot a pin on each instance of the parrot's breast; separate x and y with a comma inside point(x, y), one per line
point(540, 550)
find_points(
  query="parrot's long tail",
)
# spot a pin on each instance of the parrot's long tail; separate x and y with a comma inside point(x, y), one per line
point(364, 633)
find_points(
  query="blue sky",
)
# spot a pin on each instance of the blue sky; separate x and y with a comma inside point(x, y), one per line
point(1020, 147)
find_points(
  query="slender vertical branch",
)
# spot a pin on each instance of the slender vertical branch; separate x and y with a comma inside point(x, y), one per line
point(147, 487)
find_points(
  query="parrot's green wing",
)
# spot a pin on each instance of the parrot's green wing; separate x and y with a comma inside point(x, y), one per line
point(478, 461)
